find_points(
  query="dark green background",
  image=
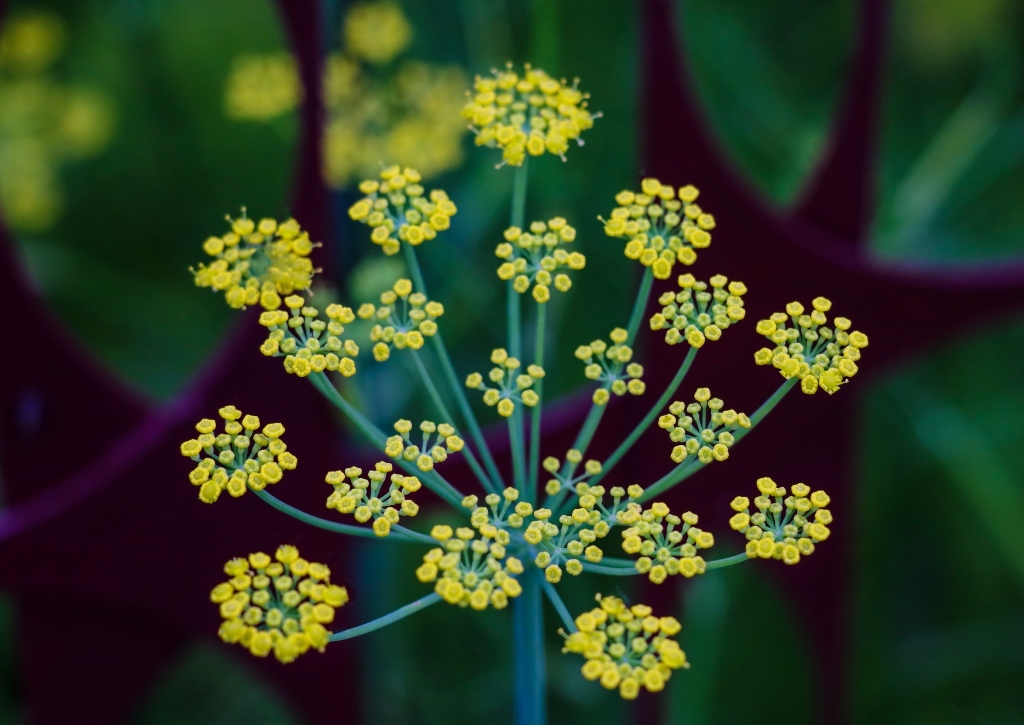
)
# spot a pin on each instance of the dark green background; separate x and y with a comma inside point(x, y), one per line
point(937, 621)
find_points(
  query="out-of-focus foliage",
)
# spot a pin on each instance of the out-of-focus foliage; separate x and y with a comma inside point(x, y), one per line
point(44, 123)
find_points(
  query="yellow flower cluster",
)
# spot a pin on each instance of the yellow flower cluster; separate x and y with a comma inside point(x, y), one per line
point(278, 605)
point(660, 229)
point(664, 549)
point(44, 122)
point(626, 648)
point(409, 115)
point(528, 114)
point(512, 387)
point(309, 345)
point(376, 32)
point(471, 572)
point(407, 318)
point(257, 263)
point(427, 453)
point(356, 495)
point(608, 368)
point(784, 528)
point(262, 87)
point(706, 430)
point(397, 210)
point(558, 481)
point(535, 257)
point(695, 315)
point(810, 350)
point(238, 458)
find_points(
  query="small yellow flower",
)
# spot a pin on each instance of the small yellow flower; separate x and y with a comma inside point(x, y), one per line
point(403, 319)
point(514, 385)
point(239, 458)
point(702, 428)
point(568, 478)
point(610, 366)
point(396, 209)
point(471, 571)
point(376, 31)
point(525, 114)
point(356, 495)
point(695, 315)
point(308, 344)
point(665, 550)
point(626, 648)
point(430, 451)
point(807, 348)
point(262, 87)
point(279, 606)
point(660, 225)
point(257, 263)
point(784, 527)
point(536, 256)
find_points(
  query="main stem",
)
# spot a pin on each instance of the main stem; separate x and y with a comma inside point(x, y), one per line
point(535, 415)
point(515, 342)
point(528, 653)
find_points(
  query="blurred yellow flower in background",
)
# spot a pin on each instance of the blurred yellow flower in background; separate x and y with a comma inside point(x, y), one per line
point(44, 124)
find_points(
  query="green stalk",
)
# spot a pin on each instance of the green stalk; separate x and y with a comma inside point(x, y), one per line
point(642, 426)
point(430, 479)
point(559, 605)
point(468, 417)
point(640, 306)
point(609, 570)
point(529, 680)
point(515, 435)
point(435, 395)
point(535, 414)
point(690, 466)
point(404, 534)
point(402, 613)
point(516, 219)
point(728, 561)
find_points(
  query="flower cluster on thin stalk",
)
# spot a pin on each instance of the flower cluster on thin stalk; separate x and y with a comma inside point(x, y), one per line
point(504, 539)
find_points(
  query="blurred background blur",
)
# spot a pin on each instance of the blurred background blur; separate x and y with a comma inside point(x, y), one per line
point(129, 129)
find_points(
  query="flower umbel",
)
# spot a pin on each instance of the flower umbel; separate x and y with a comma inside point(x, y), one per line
point(262, 87)
point(278, 605)
point(356, 495)
point(309, 345)
point(820, 356)
point(560, 480)
point(605, 364)
point(257, 263)
point(533, 258)
point(427, 453)
point(626, 647)
point(241, 457)
point(782, 528)
point(660, 228)
point(471, 571)
point(696, 315)
point(404, 318)
point(397, 210)
point(664, 549)
point(512, 387)
point(529, 114)
point(376, 32)
point(708, 435)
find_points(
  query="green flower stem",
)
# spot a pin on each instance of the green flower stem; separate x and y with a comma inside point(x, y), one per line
point(640, 306)
point(468, 417)
point(559, 605)
point(728, 561)
point(535, 414)
point(381, 622)
point(613, 561)
point(609, 570)
point(691, 465)
point(529, 680)
point(515, 434)
point(404, 534)
point(435, 395)
point(642, 426)
point(430, 479)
